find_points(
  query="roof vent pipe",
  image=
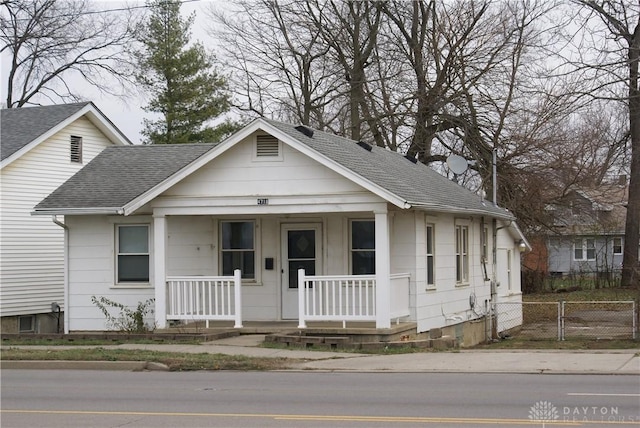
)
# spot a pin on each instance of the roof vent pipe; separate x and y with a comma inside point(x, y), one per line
point(306, 131)
point(364, 145)
point(412, 159)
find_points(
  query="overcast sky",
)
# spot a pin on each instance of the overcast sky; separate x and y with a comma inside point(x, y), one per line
point(126, 114)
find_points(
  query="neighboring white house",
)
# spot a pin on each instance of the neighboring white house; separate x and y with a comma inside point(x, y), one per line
point(41, 147)
point(317, 226)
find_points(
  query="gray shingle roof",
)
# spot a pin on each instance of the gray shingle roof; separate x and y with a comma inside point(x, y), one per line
point(120, 174)
point(20, 126)
point(416, 183)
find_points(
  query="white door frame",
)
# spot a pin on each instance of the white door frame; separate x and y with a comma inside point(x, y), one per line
point(289, 296)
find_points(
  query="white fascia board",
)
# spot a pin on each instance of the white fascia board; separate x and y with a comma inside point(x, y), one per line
point(254, 126)
point(78, 211)
point(104, 124)
point(97, 118)
point(455, 210)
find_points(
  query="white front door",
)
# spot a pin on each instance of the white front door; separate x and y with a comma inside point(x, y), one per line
point(301, 249)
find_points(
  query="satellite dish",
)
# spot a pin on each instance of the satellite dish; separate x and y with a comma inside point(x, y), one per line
point(457, 164)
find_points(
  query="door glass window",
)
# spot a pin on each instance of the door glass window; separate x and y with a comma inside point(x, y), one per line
point(301, 254)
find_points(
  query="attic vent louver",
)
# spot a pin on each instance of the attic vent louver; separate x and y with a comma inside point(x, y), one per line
point(364, 145)
point(306, 131)
point(267, 146)
point(412, 159)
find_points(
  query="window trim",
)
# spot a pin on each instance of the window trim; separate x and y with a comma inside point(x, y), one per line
point(462, 258)
point(352, 250)
point(584, 249)
point(621, 246)
point(256, 253)
point(430, 254)
point(117, 255)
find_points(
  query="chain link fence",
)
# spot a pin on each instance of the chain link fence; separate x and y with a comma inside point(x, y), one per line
point(567, 320)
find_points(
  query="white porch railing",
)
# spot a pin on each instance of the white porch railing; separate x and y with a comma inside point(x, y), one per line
point(400, 295)
point(208, 298)
point(347, 297)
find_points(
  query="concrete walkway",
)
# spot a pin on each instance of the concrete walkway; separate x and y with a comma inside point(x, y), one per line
point(625, 361)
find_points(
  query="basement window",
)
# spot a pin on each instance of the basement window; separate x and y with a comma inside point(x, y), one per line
point(76, 149)
point(267, 148)
point(26, 324)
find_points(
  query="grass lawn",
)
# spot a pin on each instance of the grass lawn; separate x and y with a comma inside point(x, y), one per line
point(610, 294)
point(175, 361)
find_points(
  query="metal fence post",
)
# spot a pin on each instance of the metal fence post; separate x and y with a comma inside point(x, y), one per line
point(561, 320)
point(634, 323)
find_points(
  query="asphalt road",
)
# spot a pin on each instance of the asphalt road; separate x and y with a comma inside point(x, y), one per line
point(72, 398)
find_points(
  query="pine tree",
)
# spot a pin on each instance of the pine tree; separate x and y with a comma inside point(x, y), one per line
point(185, 88)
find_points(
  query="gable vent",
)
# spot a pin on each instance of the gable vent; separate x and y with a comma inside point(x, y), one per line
point(76, 149)
point(364, 145)
point(267, 146)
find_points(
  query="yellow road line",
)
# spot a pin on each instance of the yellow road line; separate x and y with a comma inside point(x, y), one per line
point(325, 418)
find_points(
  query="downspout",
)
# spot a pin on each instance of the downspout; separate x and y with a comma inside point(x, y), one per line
point(494, 278)
point(55, 220)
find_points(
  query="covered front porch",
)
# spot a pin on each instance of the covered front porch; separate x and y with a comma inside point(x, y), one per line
point(281, 259)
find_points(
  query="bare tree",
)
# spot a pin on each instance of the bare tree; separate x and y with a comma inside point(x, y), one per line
point(612, 68)
point(50, 43)
point(279, 66)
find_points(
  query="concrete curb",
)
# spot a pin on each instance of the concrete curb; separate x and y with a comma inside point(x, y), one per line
point(135, 366)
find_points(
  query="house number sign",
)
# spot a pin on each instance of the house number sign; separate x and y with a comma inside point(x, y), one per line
point(263, 201)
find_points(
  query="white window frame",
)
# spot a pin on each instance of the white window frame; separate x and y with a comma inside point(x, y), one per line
point(462, 237)
point(352, 250)
point(430, 238)
point(118, 254)
point(582, 245)
point(256, 253)
point(620, 246)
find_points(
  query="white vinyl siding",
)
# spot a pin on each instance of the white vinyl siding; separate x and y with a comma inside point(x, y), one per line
point(32, 247)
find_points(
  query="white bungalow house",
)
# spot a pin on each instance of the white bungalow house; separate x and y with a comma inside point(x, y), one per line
point(281, 222)
point(41, 147)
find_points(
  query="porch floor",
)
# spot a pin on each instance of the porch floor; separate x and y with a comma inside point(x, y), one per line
point(357, 332)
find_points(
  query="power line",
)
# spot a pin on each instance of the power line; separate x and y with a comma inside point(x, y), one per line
point(96, 12)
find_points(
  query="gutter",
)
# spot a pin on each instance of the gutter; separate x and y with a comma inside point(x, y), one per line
point(450, 209)
point(79, 211)
point(66, 271)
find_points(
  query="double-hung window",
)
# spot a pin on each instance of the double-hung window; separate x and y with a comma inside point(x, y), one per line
point(430, 256)
point(462, 254)
point(584, 249)
point(238, 248)
point(617, 246)
point(132, 244)
point(363, 247)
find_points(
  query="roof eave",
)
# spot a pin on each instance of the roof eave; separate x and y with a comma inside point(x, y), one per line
point(79, 211)
point(452, 210)
point(95, 116)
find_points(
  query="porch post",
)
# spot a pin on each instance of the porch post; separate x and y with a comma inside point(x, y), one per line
point(237, 288)
point(301, 299)
point(383, 271)
point(159, 274)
